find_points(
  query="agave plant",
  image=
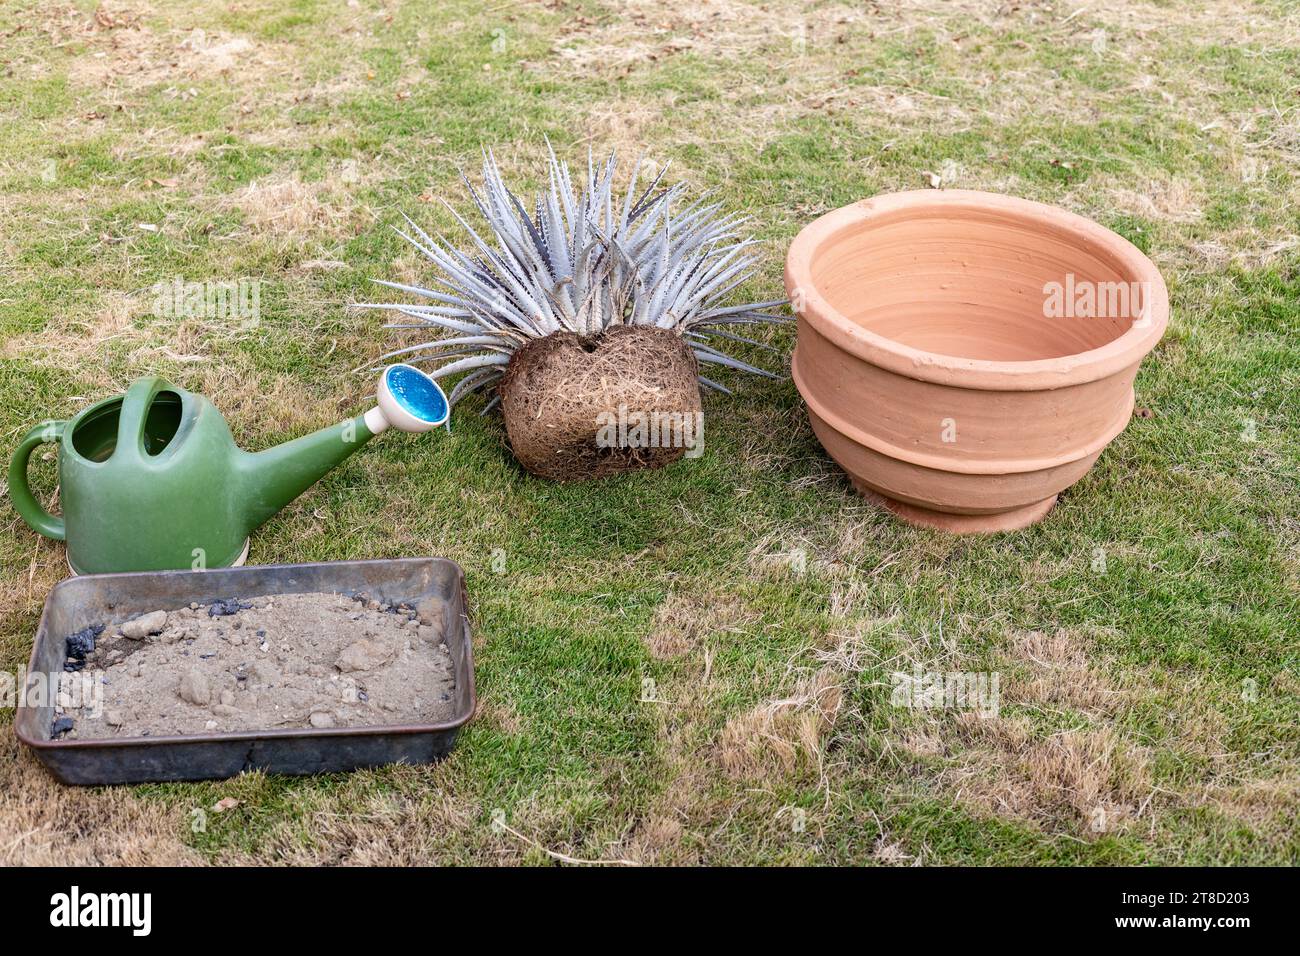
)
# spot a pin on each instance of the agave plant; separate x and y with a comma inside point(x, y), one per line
point(582, 262)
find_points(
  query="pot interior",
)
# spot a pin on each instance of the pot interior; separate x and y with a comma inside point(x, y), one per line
point(979, 284)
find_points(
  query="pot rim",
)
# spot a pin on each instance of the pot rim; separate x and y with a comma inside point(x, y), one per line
point(1088, 366)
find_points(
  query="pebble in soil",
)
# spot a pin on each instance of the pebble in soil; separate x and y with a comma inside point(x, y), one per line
point(284, 661)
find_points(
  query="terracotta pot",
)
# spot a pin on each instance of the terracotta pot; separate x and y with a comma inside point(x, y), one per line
point(937, 370)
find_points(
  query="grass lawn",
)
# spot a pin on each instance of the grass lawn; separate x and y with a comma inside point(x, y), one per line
point(1145, 635)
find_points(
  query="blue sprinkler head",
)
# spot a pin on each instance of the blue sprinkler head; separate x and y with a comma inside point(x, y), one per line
point(409, 400)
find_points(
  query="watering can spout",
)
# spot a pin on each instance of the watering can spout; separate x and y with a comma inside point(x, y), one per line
point(272, 478)
point(408, 400)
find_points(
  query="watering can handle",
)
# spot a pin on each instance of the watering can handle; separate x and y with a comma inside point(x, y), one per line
point(135, 412)
point(20, 492)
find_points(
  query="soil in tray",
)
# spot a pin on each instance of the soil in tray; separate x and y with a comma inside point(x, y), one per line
point(265, 663)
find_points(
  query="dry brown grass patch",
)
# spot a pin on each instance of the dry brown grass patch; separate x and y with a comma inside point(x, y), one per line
point(684, 804)
point(804, 45)
point(1204, 21)
point(808, 46)
point(123, 332)
point(787, 735)
point(645, 31)
point(116, 49)
point(259, 404)
point(1263, 804)
point(890, 853)
point(658, 834)
point(25, 584)
point(79, 340)
point(357, 825)
point(1088, 779)
point(284, 206)
point(1054, 670)
point(43, 823)
point(1180, 200)
point(83, 334)
point(683, 620)
point(499, 714)
point(622, 125)
point(849, 541)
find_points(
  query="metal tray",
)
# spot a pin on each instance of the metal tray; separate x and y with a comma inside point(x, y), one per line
point(111, 598)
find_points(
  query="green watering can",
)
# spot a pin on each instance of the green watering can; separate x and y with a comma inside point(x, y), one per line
point(152, 480)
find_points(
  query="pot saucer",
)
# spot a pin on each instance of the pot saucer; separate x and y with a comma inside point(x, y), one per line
point(1012, 520)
